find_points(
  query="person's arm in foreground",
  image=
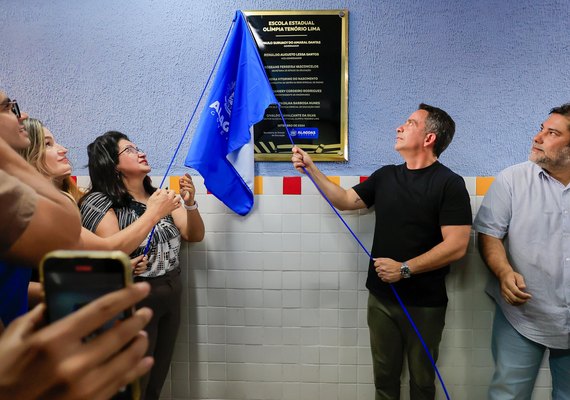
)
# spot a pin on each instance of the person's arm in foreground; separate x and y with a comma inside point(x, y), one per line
point(53, 362)
point(343, 199)
point(53, 210)
point(160, 204)
point(452, 248)
point(495, 256)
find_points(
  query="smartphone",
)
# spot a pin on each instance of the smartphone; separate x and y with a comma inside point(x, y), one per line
point(72, 279)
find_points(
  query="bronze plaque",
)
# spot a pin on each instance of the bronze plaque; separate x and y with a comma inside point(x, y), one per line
point(305, 54)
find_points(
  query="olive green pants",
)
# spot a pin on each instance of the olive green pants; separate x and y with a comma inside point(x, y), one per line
point(392, 338)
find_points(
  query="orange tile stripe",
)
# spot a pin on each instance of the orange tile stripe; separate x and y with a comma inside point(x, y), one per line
point(482, 184)
point(174, 182)
point(258, 185)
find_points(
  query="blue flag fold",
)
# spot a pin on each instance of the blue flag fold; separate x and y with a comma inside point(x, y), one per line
point(222, 147)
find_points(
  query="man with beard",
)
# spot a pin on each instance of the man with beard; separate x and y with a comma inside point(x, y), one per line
point(529, 204)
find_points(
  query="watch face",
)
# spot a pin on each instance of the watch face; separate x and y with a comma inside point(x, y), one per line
point(405, 271)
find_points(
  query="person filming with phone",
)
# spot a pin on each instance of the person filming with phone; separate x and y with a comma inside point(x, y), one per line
point(53, 361)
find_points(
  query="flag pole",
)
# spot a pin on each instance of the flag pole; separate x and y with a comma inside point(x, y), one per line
point(147, 248)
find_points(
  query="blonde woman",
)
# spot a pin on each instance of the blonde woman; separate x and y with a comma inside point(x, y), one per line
point(50, 159)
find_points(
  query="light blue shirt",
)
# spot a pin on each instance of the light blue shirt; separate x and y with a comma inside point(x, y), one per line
point(531, 211)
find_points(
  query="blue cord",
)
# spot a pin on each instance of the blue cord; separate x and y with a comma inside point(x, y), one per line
point(370, 256)
point(147, 248)
point(320, 191)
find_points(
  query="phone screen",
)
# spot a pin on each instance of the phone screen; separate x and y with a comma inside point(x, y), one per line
point(70, 284)
point(73, 279)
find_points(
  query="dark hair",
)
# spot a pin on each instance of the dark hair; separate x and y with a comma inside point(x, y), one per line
point(564, 110)
point(103, 156)
point(440, 123)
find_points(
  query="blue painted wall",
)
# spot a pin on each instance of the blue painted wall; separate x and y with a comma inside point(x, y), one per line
point(138, 66)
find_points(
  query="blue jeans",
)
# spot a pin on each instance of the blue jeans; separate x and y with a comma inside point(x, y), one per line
point(517, 361)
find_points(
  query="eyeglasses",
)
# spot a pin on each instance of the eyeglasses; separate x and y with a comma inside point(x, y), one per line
point(131, 150)
point(15, 109)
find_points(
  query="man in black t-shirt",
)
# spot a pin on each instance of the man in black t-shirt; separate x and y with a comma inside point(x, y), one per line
point(423, 223)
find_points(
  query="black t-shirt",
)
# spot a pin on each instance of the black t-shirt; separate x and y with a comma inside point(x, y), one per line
point(411, 207)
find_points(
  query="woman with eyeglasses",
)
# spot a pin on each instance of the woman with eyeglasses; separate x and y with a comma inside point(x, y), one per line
point(50, 159)
point(119, 194)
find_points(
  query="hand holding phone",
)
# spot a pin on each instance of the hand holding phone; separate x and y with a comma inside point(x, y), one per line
point(73, 279)
point(62, 364)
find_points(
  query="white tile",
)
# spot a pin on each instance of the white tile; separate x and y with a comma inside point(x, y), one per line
point(272, 185)
point(254, 317)
point(311, 223)
point(270, 204)
point(471, 184)
point(348, 337)
point(329, 299)
point(308, 187)
point(292, 335)
point(272, 299)
point(348, 356)
point(328, 374)
point(292, 391)
point(347, 391)
point(310, 204)
point(216, 279)
point(310, 298)
point(291, 204)
point(348, 299)
point(328, 336)
point(235, 316)
point(272, 317)
point(348, 280)
point(328, 280)
point(217, 334)
point(348, 319)
point(328, 355)
point(291, 260)
point(291, 242)
point(216, 297)
point(272, 279)
point(328, 318)
point(310, 355)
point(291, 223)
point(291, 317)
point(310, 260)
point(309, 391)
point(216, 315)
point(309, 280)
point(309, 317)
point(272, 223)
point(291, 280)
point(347, 373)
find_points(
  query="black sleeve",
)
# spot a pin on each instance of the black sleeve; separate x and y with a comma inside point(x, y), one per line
point(367, 190)
point(93, 208)
point(456, 204)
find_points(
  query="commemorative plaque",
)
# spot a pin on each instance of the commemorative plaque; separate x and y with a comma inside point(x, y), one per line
point(305, 54)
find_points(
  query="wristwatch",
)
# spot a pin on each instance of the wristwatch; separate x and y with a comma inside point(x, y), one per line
point(405, 271)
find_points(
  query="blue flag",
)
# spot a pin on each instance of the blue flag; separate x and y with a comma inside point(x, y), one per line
point(222, 147)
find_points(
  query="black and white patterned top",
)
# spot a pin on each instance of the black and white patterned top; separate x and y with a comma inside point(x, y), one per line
point(165, 243)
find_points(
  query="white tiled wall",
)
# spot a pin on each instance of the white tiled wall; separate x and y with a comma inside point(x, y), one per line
point(275, 307)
